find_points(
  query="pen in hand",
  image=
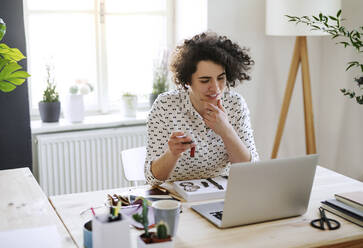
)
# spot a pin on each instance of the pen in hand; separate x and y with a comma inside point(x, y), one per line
point(192, 150)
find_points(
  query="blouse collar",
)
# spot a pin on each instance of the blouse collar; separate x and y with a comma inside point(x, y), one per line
point(186, 104)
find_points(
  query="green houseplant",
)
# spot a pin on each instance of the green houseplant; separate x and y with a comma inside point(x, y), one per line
point(11, 74)
point(160, 239)
point(49, 107)
point(160, 79)
point(348, 38)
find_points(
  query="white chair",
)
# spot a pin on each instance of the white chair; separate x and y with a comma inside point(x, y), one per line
point(133, 161)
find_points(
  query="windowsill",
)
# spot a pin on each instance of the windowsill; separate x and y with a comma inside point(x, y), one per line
point(90, 122)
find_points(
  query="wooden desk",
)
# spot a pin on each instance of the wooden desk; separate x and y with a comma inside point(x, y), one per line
point(195, 231)
point(24, 205)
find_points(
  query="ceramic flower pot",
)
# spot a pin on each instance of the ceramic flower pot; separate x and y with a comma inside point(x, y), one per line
point(49, 111)
point(74, 108)
point(129, 105)
point(110, 234)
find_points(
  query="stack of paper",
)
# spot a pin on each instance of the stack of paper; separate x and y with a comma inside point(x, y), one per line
point(353, 199)
point(347, 205)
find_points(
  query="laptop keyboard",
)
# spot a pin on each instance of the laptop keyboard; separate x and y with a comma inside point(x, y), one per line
point(217, 214)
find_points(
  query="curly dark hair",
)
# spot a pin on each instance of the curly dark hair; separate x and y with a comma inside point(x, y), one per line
point(210, 46)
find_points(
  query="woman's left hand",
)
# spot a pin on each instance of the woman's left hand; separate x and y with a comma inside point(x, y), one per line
point(215, 117)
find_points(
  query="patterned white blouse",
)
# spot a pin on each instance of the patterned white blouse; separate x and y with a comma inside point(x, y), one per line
point(173, 111)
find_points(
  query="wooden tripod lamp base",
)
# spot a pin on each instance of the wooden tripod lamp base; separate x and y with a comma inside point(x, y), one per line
point(300, 56)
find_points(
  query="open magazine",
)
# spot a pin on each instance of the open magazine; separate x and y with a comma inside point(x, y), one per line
point(201, 189)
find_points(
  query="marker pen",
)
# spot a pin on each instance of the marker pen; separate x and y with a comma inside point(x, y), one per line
point(192, 150)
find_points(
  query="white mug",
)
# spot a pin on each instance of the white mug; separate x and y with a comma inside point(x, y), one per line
point(167, 211)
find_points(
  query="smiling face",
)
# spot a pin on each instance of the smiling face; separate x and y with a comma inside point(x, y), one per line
point(208, 84)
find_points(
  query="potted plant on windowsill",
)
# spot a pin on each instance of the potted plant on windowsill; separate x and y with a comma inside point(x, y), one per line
point(74, 104)
point(148, 239)
point(49, 107)
point(160, 79)
point(129, 104)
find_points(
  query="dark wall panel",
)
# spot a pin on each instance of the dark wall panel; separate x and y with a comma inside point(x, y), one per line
point(15, 134)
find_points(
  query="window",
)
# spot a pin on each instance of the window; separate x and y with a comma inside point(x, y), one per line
point(110, 43)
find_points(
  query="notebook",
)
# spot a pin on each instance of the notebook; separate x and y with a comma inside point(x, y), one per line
point(263, 191)
point(353, 199)
point(345, 211)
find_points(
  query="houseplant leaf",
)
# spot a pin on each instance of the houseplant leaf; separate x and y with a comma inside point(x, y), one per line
point(6, 87)
point(336, 29)
point(11, 76)
point(2, 28)
point(10, 73)
point(12, 54)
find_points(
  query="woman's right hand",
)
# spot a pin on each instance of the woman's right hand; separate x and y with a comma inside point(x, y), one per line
point(179, 143)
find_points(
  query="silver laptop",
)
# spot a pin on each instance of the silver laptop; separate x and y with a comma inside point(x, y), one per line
point(263, 191)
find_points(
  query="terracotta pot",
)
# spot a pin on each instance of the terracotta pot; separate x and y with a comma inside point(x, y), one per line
point(156, 243)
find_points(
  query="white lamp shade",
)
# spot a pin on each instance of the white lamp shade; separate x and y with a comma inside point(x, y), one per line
point(277, 23)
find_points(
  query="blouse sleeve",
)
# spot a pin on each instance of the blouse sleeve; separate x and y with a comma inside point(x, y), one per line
point(157, 139)
point(244, 129)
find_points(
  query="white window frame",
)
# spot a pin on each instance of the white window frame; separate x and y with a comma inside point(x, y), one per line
point(104, 106)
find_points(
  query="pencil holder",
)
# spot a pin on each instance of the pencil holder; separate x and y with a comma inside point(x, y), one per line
point(108, 233)
point(87, 234)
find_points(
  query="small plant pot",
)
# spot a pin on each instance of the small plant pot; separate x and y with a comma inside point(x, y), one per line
point(155, 242)
point(129, 106)
point(74, 108)
point(110, 234)
point(152, 98)
point(49, 111)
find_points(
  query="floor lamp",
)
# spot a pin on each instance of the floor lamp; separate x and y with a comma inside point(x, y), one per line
point(277, 25)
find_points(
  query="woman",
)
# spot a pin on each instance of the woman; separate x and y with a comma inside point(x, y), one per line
point(202, 114)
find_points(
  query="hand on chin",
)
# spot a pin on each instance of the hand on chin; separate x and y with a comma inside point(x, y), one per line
point(211, 101)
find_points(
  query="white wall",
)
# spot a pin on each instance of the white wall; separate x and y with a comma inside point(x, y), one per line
point(190, 18)
point(341, 119)
point(338, 120)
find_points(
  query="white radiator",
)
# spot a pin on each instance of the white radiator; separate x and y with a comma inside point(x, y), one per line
point(81, 161)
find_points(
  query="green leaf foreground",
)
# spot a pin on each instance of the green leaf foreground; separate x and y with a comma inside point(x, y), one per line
point(352, 38)
point(12, 54)
point(2, 28)
point(11, 75)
